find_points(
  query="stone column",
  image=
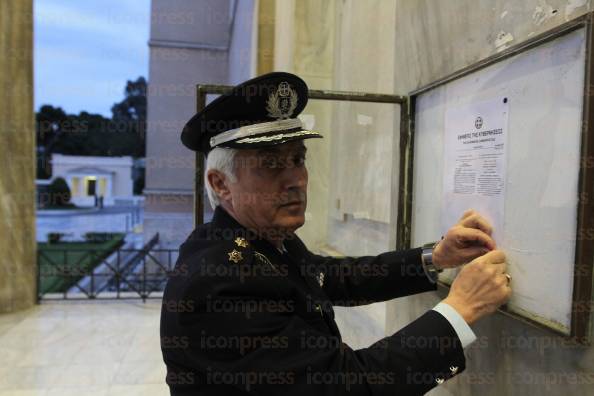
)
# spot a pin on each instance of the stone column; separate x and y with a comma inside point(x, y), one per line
point(266, 26)
point(17, 158)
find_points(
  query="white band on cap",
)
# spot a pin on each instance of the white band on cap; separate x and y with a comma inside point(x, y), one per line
point(255, 129)
point(272, 138)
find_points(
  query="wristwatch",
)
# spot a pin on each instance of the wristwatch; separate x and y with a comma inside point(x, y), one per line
point(431, 270)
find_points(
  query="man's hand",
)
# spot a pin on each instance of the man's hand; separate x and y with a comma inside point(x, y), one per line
point(481, 287)
point(468, 239)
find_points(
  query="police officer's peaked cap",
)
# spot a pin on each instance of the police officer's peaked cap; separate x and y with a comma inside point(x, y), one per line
point(259, 112)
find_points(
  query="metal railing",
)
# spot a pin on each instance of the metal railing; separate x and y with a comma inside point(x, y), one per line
point(124, 273)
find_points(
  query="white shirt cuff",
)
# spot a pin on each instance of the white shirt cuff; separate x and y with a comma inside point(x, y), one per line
point(462, 329)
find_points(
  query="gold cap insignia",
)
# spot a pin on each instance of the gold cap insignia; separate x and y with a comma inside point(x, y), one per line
point(235, 256)
point(241, 242)
point(282, 103)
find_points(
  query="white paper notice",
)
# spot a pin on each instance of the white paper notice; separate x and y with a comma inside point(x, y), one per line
point(475, 161)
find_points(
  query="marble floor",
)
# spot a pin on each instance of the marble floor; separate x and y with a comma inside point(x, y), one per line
point(111, 348)
point(82, 348)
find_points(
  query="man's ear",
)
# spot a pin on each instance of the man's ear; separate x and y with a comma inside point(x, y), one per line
point(219, 183)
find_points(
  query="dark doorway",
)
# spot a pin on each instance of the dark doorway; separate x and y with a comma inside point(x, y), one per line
point(91, 187)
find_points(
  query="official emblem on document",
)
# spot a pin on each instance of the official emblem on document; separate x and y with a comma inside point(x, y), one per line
point(282, 102)
point(320, 278)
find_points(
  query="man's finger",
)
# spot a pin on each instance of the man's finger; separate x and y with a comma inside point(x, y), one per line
point(501, 267)
point(473, 252)
point(479, 222)
point(468, 236)
point(467, 213)
point(495, 257)
point(498, 268)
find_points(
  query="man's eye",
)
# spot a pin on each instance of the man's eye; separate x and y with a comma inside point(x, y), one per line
point(299, 160)
point(271, 163)
point(280, 163)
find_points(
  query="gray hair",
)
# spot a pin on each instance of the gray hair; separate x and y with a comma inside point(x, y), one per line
point(223, 160)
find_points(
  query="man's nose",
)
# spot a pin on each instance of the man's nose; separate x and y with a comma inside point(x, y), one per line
point(296, 177)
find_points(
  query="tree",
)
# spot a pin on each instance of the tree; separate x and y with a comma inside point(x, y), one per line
point(49, 122)
point(59, 193)
point(93, 134)
point(133, 107)
point(132, 110)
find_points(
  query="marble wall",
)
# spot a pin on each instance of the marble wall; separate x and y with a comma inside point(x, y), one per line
point(17, 159)
point(434, 39)
point(189, 45)
point(350, 170)
point(243, 44)
point(304, 45)
point(397, 46)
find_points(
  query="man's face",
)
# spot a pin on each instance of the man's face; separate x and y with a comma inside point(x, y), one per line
point(271, 189)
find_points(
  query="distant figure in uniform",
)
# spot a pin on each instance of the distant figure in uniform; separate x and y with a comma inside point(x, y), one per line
point(248, 309)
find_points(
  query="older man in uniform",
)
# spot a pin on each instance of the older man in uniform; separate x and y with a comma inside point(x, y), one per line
point(248, 309)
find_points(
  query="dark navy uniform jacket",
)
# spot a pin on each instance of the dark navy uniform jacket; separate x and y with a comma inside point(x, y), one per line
point(240, 317)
